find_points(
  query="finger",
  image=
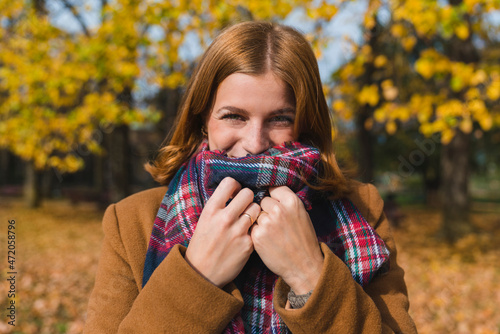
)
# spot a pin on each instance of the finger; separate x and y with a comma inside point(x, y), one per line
point(280, 193)
point(226, 189)
point(286, 197)
point(240, 202)
point(261, 215)
point(267, 204)
point(250, 214)
point(252, 229)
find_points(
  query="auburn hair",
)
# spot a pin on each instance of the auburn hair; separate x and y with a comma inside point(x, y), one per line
point(254, 48)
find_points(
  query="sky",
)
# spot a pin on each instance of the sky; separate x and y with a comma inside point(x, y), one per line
point(342, 29)
point(345, 23)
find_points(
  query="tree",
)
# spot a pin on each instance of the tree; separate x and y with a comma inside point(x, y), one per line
point(61, 91)
point(434, 75)
point(57, 88)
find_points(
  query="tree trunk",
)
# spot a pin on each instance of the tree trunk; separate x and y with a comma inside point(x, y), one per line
point(32, 191)
point(40, 7)
point(46, 183)
point(455, 155)
point(455, 195)
point(99, 182)
point(119, 164)
point(365, 140)
point(98, 171)
point(4, 167)
point(431, 175)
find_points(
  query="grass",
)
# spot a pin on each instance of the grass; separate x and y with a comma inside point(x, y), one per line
point(452, 289)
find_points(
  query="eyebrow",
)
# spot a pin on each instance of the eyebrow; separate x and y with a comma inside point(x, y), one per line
point(286, 110)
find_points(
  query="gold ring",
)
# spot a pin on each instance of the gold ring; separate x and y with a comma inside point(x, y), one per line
point(249, 217)
point(261, 213)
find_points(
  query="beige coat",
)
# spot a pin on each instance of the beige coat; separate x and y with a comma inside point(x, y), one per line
point(178, 300)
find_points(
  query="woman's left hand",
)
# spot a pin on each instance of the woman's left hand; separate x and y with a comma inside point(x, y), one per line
point(285, 240)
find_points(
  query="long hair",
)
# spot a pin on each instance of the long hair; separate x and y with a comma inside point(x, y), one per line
point(254, 48)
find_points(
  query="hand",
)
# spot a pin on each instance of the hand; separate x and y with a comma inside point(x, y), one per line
point(221, 244)
point(285, 240)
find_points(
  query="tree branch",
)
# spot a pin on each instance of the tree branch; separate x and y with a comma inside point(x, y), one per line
point(104, 3)
point(77, 16)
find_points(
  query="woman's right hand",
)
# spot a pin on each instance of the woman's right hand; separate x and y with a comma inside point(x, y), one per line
point(221, 244)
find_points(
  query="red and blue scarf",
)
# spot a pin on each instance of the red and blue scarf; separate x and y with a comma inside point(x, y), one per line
point(338, 223)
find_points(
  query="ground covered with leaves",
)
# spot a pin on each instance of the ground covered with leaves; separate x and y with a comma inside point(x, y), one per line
point(452, 289)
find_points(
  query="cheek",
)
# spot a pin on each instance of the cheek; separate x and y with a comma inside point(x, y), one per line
point(279, 137)
point(220, 136)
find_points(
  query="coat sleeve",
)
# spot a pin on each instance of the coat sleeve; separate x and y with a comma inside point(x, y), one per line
point(175, 300)
point(340, 305)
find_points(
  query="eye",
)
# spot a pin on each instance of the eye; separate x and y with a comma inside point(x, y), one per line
point(233, 118)
point(282, 120)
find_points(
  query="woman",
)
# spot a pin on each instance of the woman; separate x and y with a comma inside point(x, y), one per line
point(259, 230)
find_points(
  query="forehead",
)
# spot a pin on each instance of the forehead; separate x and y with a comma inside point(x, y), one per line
point(254, 89)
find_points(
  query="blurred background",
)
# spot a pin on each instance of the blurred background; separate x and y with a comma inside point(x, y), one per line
point(89, 90)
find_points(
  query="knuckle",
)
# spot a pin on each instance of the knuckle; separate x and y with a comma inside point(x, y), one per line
point(263, 219)
point(293, 201)
point(254, 205)
point(277, 209)
point(225, 221)
point(256, 210)
point(246, 193)
point(257, 235)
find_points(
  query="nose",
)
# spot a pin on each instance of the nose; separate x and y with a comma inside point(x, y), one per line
point(256, 139)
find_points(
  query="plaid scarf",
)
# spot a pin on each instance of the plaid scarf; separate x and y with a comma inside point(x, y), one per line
point(337, 223)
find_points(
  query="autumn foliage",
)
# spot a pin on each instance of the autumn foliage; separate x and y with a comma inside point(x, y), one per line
point(423, 64)
point(452, 289)
point(57, 88)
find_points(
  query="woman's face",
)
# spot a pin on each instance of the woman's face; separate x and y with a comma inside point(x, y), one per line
point(250, 114)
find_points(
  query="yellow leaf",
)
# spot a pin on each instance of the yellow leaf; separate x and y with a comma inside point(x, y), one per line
point(380, 61)
point(493, 90)
point(466, 125)
point(426, 129)
point(439, 126)
point(462, 31)
point(339, 105)
point(369, 95)
point(408, 43)
point(379, 115)
point(398, 30)
point(369, 21)
point(366, 50)
point(402, 113)
point(446, 136)
point(425, 68)
point(478, 78)
point(391, 127)
point(472, 93)
point(486, 122)
point(446, 13)
point(477, 106)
